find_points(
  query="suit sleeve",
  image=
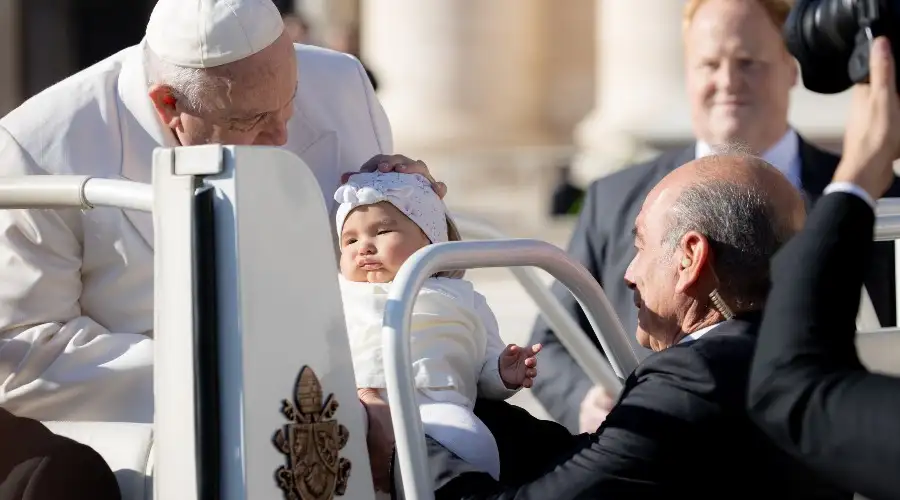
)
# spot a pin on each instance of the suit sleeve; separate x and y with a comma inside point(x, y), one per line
point(55, 362)
point(561, 384)
point(808, 389)
point(661, 410)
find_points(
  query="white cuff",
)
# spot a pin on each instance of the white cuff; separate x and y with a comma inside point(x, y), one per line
point(850, 188)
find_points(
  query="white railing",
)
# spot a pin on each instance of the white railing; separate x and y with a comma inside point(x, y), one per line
point(59, 191)
point(887, 228)
point(408, 431)
point(563, 324)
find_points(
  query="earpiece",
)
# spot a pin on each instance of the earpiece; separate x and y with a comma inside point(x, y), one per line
point(685, 261)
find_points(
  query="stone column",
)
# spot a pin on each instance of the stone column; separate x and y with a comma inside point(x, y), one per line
point(10, 50)
point(639, 90)
point(457, 73)
point(463, 82)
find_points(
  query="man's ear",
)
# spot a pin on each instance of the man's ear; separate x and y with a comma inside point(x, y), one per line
point(693, 253)
point(166, 104)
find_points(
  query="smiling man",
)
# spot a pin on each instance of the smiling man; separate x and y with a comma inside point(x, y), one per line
point(739, 78)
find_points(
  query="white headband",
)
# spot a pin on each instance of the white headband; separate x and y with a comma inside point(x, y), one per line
point(412, 194)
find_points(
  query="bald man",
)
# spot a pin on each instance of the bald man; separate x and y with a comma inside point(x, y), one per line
point(699, 279)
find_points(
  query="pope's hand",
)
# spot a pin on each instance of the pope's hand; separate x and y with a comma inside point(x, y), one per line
point(595, 406)
point(401, 164)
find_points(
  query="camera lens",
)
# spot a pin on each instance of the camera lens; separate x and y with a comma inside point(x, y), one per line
point(829, 27)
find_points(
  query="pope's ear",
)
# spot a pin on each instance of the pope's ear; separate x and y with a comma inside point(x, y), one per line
point(165, 103)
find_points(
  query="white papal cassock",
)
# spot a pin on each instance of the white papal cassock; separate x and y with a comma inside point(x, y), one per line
point(76, 289)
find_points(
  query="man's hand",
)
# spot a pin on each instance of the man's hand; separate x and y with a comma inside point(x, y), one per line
point(401, 164)
point(595, 406)
point(518, 366)
point(380, 438)
point(872, 137)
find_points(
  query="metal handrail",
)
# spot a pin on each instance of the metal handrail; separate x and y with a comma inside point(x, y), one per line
point(407, 423)
point(563, 324)
point(79, 191)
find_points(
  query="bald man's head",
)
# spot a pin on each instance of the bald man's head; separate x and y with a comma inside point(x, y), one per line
point(710, 225)
point(746, 208)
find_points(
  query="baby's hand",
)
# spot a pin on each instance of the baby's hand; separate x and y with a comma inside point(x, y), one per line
point(518, 366)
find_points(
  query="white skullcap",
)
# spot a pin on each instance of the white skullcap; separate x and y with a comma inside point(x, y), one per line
point(412, 194)
point(209, 33)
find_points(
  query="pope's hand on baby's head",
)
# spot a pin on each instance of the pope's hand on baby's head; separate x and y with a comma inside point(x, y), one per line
point(398, 163)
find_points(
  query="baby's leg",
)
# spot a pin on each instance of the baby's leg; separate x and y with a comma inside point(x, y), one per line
point(461, 432)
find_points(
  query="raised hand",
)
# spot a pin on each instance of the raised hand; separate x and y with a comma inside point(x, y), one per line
point(518, 365)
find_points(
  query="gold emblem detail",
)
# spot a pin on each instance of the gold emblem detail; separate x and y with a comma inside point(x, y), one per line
point(311, 443)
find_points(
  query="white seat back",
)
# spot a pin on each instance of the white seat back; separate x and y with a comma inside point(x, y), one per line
point(126, 447)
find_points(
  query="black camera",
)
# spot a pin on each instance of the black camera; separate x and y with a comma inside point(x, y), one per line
point(831, 39)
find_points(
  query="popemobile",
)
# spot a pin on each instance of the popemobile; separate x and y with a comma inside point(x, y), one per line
point(270, 410)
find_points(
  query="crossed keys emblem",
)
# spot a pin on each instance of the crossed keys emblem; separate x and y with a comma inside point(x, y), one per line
point(311, 444)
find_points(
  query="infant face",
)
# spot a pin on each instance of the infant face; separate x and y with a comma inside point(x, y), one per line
point(376, 240)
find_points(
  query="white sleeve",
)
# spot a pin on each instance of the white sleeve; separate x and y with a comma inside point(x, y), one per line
point(380, 123)
point(56, 364)
point(850, 188)
point(490, 385)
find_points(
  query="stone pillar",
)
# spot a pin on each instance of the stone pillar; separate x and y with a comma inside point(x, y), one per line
point(327, 17)
point(10, 50)
point(639, 87)
point(457, 73)
point(463, 82)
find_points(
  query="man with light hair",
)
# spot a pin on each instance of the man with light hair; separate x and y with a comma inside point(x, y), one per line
point(76, 298)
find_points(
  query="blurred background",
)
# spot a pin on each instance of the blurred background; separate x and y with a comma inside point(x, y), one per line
point(516, 104)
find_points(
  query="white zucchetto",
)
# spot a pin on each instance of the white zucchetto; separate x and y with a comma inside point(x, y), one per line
point(209, 33)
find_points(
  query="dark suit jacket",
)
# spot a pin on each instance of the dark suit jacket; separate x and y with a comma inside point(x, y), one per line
point(603, 243)
point(679, 430)
point(36, 464)
point(808, 389)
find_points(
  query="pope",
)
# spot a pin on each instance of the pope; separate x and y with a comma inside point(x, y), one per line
point(76, 298)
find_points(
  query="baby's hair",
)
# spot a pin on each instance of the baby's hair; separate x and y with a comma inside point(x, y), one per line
point(452, 235)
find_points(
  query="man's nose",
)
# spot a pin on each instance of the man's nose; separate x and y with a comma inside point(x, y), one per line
point(728, 76)
point(629, 282)
point(279, 133)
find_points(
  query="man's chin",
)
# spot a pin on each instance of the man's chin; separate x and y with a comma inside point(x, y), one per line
point(643, 338)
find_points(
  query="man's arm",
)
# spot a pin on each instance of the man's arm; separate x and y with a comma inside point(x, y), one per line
point(55, 363)
point(662, 410)
point(562, 385)
point(808, 389)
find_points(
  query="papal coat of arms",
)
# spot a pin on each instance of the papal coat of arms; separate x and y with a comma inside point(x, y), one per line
point(311, 443)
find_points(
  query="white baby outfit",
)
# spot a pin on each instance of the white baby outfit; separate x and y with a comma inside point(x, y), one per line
point(455, 339)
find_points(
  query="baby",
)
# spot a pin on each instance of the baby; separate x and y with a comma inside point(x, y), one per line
point(457, 353)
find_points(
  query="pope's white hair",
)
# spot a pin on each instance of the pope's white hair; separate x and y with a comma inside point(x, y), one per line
point(203, 89)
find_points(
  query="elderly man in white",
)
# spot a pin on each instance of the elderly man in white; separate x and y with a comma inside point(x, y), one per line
point(76, 298)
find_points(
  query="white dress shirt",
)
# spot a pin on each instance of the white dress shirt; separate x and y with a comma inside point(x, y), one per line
point(699, 333)
point(784, 155)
